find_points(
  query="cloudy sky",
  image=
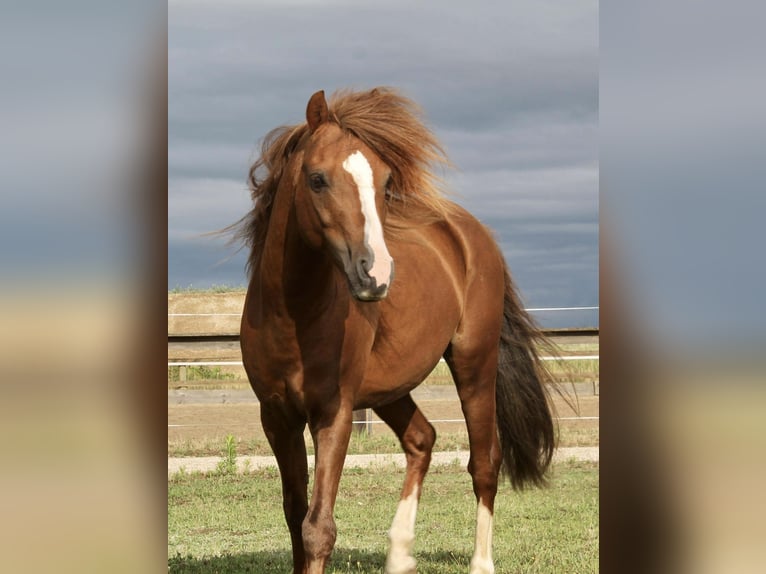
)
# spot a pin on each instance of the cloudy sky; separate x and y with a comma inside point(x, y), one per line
point(510, 88)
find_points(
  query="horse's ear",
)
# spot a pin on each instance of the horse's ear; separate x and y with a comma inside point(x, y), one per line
point(316, 111)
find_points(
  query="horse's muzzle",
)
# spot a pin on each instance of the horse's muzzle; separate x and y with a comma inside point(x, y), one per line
point(372, 294)
point(364, 287)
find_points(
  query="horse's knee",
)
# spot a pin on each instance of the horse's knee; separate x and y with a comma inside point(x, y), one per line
point(419, 442)
point(428, 438)
point(319, 536)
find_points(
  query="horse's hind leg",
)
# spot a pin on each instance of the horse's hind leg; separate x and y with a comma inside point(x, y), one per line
point(474, 371)
point(285, 436)
point(417, 438)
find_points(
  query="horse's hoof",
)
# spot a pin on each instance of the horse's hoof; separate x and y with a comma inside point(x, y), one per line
point(479, 566)
point(405, 565)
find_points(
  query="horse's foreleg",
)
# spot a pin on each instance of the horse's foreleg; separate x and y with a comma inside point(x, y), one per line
point(287, 443)
point(331, 432)
point(417, 438)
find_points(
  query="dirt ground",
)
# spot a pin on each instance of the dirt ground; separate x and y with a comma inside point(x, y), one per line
point(212, 422)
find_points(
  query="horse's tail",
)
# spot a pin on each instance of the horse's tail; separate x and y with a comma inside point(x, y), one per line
point(524, 419)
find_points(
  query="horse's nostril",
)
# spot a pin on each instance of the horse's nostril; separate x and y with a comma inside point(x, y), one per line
point(362, 269)
point(364, 264)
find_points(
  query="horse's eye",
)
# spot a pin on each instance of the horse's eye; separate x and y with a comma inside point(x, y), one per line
point(388, 187)
point(317, 182)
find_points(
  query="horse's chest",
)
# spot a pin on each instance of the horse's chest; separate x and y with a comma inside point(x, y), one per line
point(272, 360)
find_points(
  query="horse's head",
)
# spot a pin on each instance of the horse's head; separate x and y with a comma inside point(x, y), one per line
point(340, 202)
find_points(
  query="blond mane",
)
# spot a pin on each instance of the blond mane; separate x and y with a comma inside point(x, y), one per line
point(390, 124)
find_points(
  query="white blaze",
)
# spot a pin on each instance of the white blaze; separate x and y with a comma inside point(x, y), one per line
point(361, 172)
point(402, 535)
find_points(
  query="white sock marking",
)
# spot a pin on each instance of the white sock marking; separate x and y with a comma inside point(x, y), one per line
point(359, 168)
point(402, 535)
point(482, 563)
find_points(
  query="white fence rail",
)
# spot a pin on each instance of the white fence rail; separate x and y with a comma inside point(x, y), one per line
point(363, 417)
point(529, 309)
point(360, 422)
point(239, 363)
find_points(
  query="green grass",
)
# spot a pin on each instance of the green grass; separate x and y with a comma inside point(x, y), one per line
point(382, 443)
point(201, 372)
point(212, 289)
point(223, 523)
point(563, 371)
point(213, 378)
point(578, 371)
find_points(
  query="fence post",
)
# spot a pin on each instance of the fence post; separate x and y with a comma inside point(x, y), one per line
point(362, 422)
point(182, 373)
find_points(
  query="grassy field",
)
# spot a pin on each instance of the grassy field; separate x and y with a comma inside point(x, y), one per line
point(206, 377)
point(570, 434)
point(227, 523)
point(212, 289)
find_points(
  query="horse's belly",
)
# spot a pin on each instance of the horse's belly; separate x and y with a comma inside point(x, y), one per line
point(397, 366)
point(385, 386)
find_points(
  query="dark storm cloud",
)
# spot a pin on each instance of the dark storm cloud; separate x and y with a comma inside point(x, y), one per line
point(510, 89)
point(240, 70)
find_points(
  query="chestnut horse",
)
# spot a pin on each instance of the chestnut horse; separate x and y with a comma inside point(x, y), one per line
point(362, 276)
